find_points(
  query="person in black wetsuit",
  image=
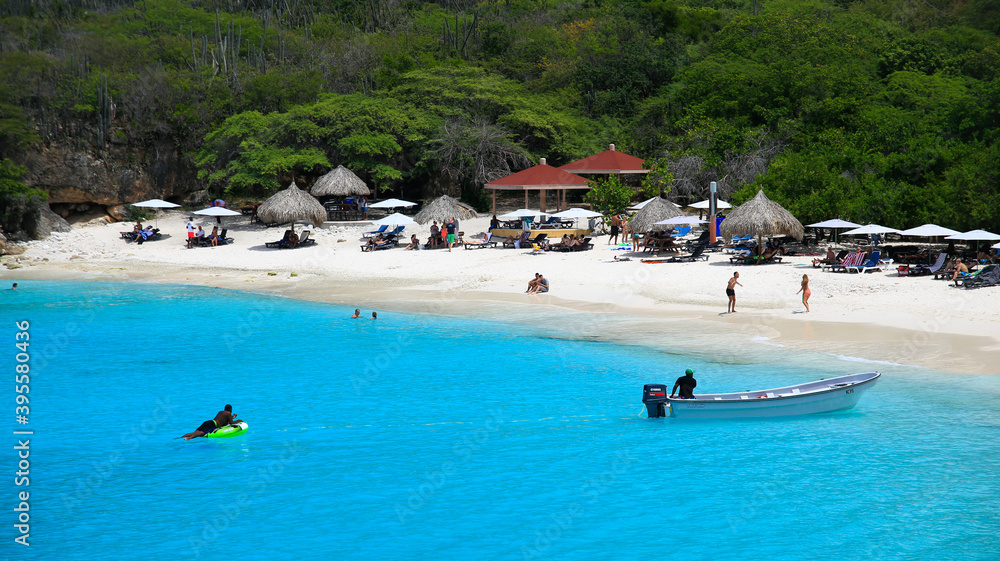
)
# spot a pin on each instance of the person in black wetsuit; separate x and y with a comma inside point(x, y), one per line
point(222, 418)
point(686, 383)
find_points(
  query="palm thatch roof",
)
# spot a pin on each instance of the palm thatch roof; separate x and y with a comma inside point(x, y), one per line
point(760, 216)
point(443, 208)
point(654, 211)
point(340, 182)
point(292, 204)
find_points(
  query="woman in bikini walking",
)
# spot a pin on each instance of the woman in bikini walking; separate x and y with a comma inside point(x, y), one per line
point(806, 293)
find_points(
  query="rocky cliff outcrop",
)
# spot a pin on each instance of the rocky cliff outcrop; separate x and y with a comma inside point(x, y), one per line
point(114, 176)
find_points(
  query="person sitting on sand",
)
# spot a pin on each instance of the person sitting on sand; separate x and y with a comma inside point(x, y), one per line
point(357, 314)
point(687, 384)
point(541, 284)
point(222, 418)
point(532, 283)
point(414, 243)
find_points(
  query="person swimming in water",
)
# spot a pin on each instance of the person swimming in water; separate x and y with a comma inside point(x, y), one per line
point(222, 418)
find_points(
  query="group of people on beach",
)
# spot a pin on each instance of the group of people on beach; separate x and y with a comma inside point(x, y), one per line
point(140, 234)
point(443, 236)
point(537, 284)
point(197, 236)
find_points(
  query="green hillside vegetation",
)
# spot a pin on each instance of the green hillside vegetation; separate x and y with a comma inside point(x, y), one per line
point(876, 111)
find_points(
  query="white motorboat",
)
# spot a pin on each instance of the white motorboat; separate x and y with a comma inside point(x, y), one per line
point(821, 396)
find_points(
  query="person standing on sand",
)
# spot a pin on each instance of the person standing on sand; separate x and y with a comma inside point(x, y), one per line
point(190, 230)
point(731, 293)
point(806, 293)
point(616, 224)
point(450, 228)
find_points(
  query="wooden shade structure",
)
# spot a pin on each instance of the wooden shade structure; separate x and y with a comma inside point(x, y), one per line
point(340, 182)
point(610, 161)
point(290, 205)
point(542, 177)
point(760, 217)
point(654, 211)
point(443, 208)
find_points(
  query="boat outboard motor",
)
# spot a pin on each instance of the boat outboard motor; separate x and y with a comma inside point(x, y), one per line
point(655, 396)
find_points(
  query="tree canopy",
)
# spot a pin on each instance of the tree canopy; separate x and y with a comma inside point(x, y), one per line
point(871, 110)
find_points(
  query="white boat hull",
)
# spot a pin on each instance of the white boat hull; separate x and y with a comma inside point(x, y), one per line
point(821, 396)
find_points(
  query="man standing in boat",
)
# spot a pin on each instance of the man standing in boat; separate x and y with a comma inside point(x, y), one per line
point(686, 383)
point(222, 418)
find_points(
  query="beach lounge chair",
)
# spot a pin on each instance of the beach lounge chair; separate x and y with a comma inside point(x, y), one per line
point(870, 264)
point(682, 232)
point(224, 239)
point(279, 243)
point(696, 254)
point(852, 260)
point(305, 240)
point(527, 243)
point(584, 245)
point(918, 270)
point(373, 233)
point(987, 276)
point(836, 260)
point(487, 242)
point(520, 241)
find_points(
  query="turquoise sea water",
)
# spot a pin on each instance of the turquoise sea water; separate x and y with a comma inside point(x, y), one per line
point(424, 437)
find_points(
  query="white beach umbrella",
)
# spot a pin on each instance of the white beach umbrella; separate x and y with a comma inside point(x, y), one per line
point(640, 206)
point(218, 212)
point(929, 231)
point(576, 213)
point(704, 205)
point(394, 219)
point(834, 224)
point(995, 246)
point(392, 203)
point(521, 213)
point(156, 203)
point(872, 229)
point(975, 236)
point(678, 220)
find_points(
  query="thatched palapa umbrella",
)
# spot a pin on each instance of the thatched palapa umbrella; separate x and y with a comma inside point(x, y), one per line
point(291, 205)
point(340, 182)
point(760, 216)
point(443, 208)
point(652, 212)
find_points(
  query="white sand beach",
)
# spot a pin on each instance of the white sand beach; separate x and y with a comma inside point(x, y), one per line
point(877, 316)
